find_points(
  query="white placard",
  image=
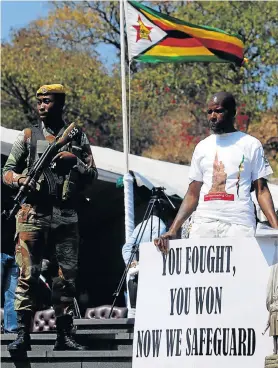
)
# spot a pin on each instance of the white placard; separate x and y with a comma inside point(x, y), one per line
point(204, 305)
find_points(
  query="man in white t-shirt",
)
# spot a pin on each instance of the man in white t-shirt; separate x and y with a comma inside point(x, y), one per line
point(223, 167)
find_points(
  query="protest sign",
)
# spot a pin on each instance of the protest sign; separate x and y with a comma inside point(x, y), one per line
point(204, 304)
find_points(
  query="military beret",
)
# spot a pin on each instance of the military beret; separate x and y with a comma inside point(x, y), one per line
point(51, 88)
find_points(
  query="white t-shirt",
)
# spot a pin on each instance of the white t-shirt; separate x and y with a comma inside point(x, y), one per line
point(227, 164)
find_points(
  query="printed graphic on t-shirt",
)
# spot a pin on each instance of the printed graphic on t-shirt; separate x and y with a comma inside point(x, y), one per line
point(266, 162)
point(219, 178)
point(240, 169)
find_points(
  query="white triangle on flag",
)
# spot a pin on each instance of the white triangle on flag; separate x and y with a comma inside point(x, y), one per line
point(140, 41)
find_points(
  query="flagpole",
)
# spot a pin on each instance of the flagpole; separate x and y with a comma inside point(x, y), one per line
point(124, 104)
point(128, 179)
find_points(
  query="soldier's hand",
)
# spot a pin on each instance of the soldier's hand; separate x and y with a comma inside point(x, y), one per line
point(64, 161)
point(162, 243)
point(31, 185)
point(66, 157)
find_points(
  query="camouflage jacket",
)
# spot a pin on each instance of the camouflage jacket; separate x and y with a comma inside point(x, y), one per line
point(64, 187)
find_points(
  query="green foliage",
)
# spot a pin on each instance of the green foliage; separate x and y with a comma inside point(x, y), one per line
point(93, 96)
point(62, 48)
point(193, 83)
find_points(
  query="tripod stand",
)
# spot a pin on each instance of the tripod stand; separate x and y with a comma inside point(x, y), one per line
point(155, 202)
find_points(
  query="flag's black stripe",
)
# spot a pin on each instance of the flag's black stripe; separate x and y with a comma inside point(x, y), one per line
point(226, 56)
point(177, 34)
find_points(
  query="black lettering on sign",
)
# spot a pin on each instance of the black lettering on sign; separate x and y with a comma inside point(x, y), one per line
point(202, 340)
point(225, 341)
point(188, 342)
point(146, 340)
point(188, 259)
point(233, 343)
point(229, 249)
point(251, 337)
point(220, 341)
point(241, 341)
point(211, 296)
point(217, 342)
point(180, 301)
point(219, 259)
point(173, 342)
point(209, 341)
point(211, 259)
point(195, 259)
point(195, 342)
point(173, 261)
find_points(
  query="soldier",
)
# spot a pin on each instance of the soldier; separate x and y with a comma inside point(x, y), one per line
point(49, 216)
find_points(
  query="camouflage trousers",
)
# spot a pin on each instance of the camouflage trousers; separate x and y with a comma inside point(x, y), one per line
point(35, 232)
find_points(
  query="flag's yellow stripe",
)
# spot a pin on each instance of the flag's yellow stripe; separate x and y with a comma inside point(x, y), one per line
point(177, 51)
point(196, 32)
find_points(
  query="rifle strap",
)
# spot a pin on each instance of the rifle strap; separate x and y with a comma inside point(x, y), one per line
point(36, 134)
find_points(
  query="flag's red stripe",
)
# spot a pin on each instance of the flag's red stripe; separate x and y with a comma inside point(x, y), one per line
point(208, 43)
point(180, 42)
point(223, 46)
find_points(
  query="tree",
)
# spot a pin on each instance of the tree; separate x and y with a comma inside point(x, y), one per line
point(91, 23)
point(85, 23)
point(159, 91)
point(93, 96)
point(266, 130)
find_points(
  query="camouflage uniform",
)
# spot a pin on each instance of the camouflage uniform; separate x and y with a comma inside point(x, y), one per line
point(48, 218)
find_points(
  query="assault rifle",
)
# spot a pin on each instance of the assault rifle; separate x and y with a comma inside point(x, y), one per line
point(42, 163)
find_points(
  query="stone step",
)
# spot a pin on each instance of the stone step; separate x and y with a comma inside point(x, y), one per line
point(96, 340)
point(46, 337)
point(119, 324)
point(110, 342)
point(68, 359)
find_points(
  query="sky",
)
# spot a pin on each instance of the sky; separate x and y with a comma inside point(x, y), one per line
point(18, 14)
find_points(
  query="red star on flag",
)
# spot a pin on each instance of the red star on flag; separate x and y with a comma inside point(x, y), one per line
point(143, 31)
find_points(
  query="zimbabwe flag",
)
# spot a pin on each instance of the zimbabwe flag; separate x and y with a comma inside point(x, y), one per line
point(155, 37)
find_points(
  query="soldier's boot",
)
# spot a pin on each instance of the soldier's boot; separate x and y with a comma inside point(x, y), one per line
point(64, 340)
point(22, 343)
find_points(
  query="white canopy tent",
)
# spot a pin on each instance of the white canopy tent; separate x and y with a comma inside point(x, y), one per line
point(110, 164)
point(148, 172)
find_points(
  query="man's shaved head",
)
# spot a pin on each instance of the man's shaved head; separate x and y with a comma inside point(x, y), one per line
point(221, 113)
point(224, 99)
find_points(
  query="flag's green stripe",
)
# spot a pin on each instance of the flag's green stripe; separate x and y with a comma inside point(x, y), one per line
point(155, 13)
point(173, 59)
